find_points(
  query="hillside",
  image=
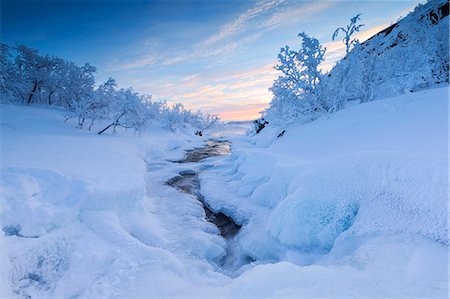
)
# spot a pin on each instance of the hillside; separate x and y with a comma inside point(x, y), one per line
point(409, 56)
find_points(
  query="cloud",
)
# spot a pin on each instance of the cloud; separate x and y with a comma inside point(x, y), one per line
point(253, 23)
point(246, 28)
point(219, 91)
point(215, 54)
point(232, 93)
point(247, 112)
point(147, 60)
point(293, 14)
point(242, 22)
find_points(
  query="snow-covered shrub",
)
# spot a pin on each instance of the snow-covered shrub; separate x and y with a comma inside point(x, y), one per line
point(347, 82)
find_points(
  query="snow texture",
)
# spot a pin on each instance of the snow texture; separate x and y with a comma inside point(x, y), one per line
point(363, 192)
point(90, 216)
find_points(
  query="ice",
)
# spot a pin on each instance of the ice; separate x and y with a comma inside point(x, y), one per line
point(311, 223)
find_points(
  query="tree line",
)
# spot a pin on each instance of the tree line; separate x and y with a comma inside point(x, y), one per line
point(28, 77)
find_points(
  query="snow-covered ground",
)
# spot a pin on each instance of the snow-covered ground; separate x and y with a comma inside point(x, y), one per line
point(89, 217)
point(357, 201)
point(351, 205)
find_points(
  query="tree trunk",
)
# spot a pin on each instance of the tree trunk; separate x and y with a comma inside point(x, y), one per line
point(68, 117)
point(50, 98)
point(81, 121)
point(92, 123)
point(30, 97)
point(109, 126)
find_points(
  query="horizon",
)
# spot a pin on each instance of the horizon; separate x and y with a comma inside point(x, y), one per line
point(215, 56)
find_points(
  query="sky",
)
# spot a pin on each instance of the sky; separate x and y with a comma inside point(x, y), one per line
point(216, 56)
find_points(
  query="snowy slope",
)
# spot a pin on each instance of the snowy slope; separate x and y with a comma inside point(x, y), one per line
point(363, 192)
point(410, 55)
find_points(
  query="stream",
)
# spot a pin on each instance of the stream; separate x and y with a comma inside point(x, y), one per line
point(188, 181)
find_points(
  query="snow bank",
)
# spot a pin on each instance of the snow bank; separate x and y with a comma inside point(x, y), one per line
point(87, 215)
point(395, 270)
point(328, 189)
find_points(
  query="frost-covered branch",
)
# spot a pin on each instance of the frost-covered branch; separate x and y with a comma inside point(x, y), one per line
point(349, 31)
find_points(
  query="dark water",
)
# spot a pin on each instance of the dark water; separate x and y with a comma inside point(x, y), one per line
point(212, 148)
point(188, 182)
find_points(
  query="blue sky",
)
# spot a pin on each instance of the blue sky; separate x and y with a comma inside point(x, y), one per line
point(214, 55)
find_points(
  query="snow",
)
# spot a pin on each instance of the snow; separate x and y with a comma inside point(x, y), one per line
point(87, 213)
point(286, 280)
point(326, 190)
point(352, 205)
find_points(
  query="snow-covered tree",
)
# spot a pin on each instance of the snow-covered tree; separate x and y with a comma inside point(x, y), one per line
point(8, 75)
point(54, 84)
point(34, 70)
point(78, 92)
point(348, 81)
point(96, 104)
point(29, 77)
point(310, 56)
point(294, 91)
point(205, 121)
point(126, 110)
point(349, 31)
